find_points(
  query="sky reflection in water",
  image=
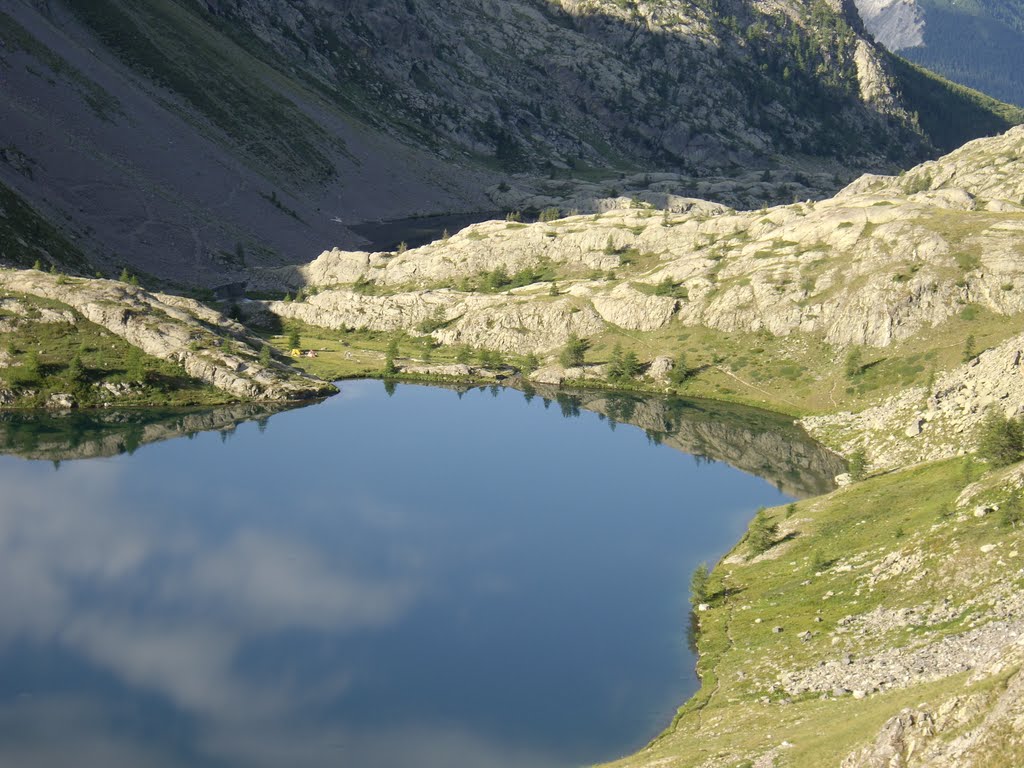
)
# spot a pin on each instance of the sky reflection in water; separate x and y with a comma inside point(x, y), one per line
point(373, 582)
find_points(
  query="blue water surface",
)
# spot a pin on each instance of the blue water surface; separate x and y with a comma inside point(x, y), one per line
point(423, 579)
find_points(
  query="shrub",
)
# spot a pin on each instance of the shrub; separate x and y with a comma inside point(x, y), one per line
point(549, 214)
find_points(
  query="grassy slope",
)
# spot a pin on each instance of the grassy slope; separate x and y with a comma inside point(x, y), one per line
point(734, 717)
point(797, 375)
point(105, 358)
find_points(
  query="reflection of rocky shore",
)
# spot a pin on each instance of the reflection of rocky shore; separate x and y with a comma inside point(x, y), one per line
point(95, 434)
point(761, 443)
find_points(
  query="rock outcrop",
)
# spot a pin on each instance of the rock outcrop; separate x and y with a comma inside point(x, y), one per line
point(887, 258)
point(923, 424)
point(208, 346)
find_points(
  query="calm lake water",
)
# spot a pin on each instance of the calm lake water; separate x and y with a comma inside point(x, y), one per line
point(423, 579)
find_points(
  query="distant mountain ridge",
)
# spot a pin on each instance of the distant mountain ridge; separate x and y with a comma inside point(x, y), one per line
point(979, 43)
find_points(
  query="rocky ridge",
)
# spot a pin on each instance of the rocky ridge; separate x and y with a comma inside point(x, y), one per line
point(883, 260)
point(208, 346)
point(238, 134)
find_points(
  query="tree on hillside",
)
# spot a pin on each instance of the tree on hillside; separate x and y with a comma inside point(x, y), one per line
point(969, 352)
point(1000, 440)
point(623, 366)
point(680, 371)
point(574, 353)
point(75, 371)
point(294, 339)
point(858, 465)
point(762, 533)
point(390, 369)
point(854, 364)
point(135, 367)
point(699, 585)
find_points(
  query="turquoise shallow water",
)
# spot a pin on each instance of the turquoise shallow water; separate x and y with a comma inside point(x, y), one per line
point(421, 579)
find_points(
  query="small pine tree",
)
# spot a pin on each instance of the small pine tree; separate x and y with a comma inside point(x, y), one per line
point(631, 365)
point(817, 564)
point(969, 352)
point(390, 354)
point(680, 371)
point(37, 265)
point(1000, 440)
point(76, 370)
point(30, 369)
point(858, 465)
point(1011, 513)
point(294, 339)
point(854, 364)
point(699, 585)
point(463, 355)
point(574, 353)
point(615, 363)
point(288, 298)
point(265, 355)
point(762, 533)
point(125, 275)
point(531, 363)
point(135, 368)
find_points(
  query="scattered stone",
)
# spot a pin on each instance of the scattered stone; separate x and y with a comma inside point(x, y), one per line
point(60, 402)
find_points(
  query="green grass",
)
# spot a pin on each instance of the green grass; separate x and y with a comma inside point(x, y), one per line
point(104, 357)
point(727, 719)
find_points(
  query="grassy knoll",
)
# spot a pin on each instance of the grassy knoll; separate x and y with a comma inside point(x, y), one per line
point(840, 559)
point(49, 349)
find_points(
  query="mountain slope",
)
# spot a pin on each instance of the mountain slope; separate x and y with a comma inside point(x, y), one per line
point(978, 43)
point(193, 141)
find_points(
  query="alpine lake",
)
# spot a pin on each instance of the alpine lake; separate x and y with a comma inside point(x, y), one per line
point(398, 576)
